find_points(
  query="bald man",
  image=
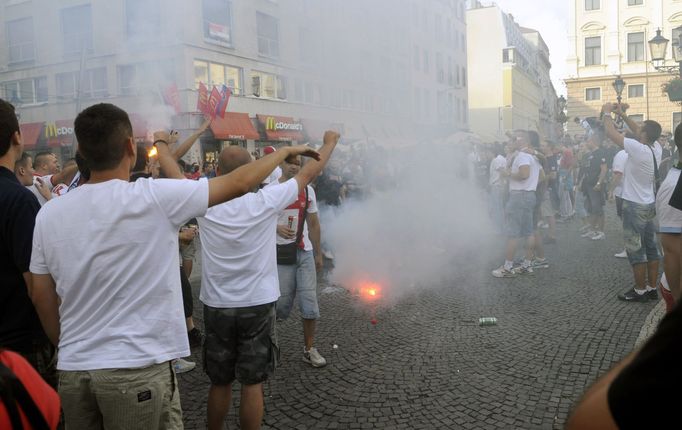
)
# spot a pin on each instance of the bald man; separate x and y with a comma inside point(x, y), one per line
point(240, 286)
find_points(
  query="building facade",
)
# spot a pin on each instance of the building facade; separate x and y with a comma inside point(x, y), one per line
point(510, 86)
point(608, 39)
point(384, 70)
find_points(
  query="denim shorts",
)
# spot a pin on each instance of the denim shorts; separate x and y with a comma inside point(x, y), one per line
point(519, 211)
point(639, 232)
point(300, 280)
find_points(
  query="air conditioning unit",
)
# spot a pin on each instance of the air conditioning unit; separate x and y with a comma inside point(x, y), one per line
point(255, 85)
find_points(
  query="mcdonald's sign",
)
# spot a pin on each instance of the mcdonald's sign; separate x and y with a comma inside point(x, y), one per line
point(52, 131)
point(271, 124)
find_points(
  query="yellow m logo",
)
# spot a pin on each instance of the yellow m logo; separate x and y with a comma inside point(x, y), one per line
point(270, 123)
point(50, 130)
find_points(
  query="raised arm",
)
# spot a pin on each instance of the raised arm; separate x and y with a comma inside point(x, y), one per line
point(248, 177)
point(66, 172)
point(312, 169)
point(168, 163)
point(610, 127)
point(182, 149)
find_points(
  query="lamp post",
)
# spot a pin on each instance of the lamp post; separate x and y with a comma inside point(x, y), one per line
point(658, 47)
point(561, 115)
point(619, 86)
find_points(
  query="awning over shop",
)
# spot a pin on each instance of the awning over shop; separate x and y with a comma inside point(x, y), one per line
point(281, 128)
point(235, 126)
point(30, 133)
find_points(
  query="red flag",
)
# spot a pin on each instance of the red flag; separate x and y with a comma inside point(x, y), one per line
point(171, 96)
point(225, 94)
point(202, 100)
point(213, 102)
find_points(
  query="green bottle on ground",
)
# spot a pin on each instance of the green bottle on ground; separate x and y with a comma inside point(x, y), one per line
point(487, 321)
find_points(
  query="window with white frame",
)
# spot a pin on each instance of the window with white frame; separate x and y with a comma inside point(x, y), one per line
point(268, 85)
point(592, 51)
point(218, 74)
point(218, 21)
point(635, 2)
point(94, 84)
point(636, 47)
point(77, 29)
point(25, 91)
point(635, 90)
point(591, 4)
point(20, 40)
point(267, 28)
point(592, 94)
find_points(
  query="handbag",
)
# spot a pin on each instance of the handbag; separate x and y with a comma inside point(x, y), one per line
point(288, 254)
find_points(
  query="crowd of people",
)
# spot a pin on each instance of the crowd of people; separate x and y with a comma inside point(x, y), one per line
point(98, 268)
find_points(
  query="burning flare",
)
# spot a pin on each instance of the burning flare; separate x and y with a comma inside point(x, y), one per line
point(369, 291)
point(152, 152)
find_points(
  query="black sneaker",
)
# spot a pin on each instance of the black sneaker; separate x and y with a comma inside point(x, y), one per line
point(633, 296)
point(652, 295)
point(195, 337)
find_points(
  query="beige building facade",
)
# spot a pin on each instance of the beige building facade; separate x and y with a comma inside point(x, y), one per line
point(509, 86)
point(608, 38)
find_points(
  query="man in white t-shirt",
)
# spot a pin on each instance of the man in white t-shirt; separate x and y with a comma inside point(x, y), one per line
point(240, 286)
point(617, 170)
point(639, 198)
point(498, 186)
point(105, 275)
point(523, 176)
point(669, 229)
point(46, 171)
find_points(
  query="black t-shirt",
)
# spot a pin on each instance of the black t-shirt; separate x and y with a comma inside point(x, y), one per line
point(552, 167)
point(653, 377)
point(19, 323)
point(594, 161)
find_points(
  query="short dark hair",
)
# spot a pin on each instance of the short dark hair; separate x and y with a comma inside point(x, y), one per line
point(9, 124)
point(652, 129)
point(102, 131)
point(678, 137)
point(534, 138)
point(22, 161)
point(40, 156)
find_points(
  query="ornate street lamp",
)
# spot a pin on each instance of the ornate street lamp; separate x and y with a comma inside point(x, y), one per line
point(561, 102)
point(658, 47)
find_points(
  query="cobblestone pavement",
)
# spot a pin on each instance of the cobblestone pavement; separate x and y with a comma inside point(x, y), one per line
point(428, 365)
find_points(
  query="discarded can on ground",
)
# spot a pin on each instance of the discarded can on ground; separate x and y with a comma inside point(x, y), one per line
point(487, 321)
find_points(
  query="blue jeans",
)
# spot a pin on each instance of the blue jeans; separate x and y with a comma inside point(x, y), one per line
point(639, 232)
point(300, 280)
point(519, 211)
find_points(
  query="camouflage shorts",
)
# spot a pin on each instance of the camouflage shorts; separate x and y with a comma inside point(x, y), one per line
point(240, 344)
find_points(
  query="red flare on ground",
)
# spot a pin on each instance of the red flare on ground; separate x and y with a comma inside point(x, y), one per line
point(370, 291)
point(374, 321)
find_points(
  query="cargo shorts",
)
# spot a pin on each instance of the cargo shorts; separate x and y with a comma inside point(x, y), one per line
point(240, 344)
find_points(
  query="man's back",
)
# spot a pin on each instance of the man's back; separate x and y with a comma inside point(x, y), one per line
point(638, 180)
point(111, 248)
point(239, 266)
point(19, 323)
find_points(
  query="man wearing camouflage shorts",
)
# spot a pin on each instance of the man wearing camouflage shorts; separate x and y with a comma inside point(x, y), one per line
point(240, 286)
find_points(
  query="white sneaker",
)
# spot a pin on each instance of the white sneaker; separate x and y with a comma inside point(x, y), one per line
point(588, 234)
point(599, 235)
point(183, 366)
point(622, 254)
point(501, 272)
point(313, 357)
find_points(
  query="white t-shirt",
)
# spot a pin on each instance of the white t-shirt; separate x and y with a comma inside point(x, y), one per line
point(669, 218)
point(111, 248)
point(239, 257)
point(638, 177)
point(292, 214)
point(531, 182)
point(498, 163)
point(47, 179)
point(274, 176)
point(619, 167)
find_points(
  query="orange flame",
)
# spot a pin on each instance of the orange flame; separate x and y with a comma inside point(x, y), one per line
point(153, 152)
point(369, 291)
